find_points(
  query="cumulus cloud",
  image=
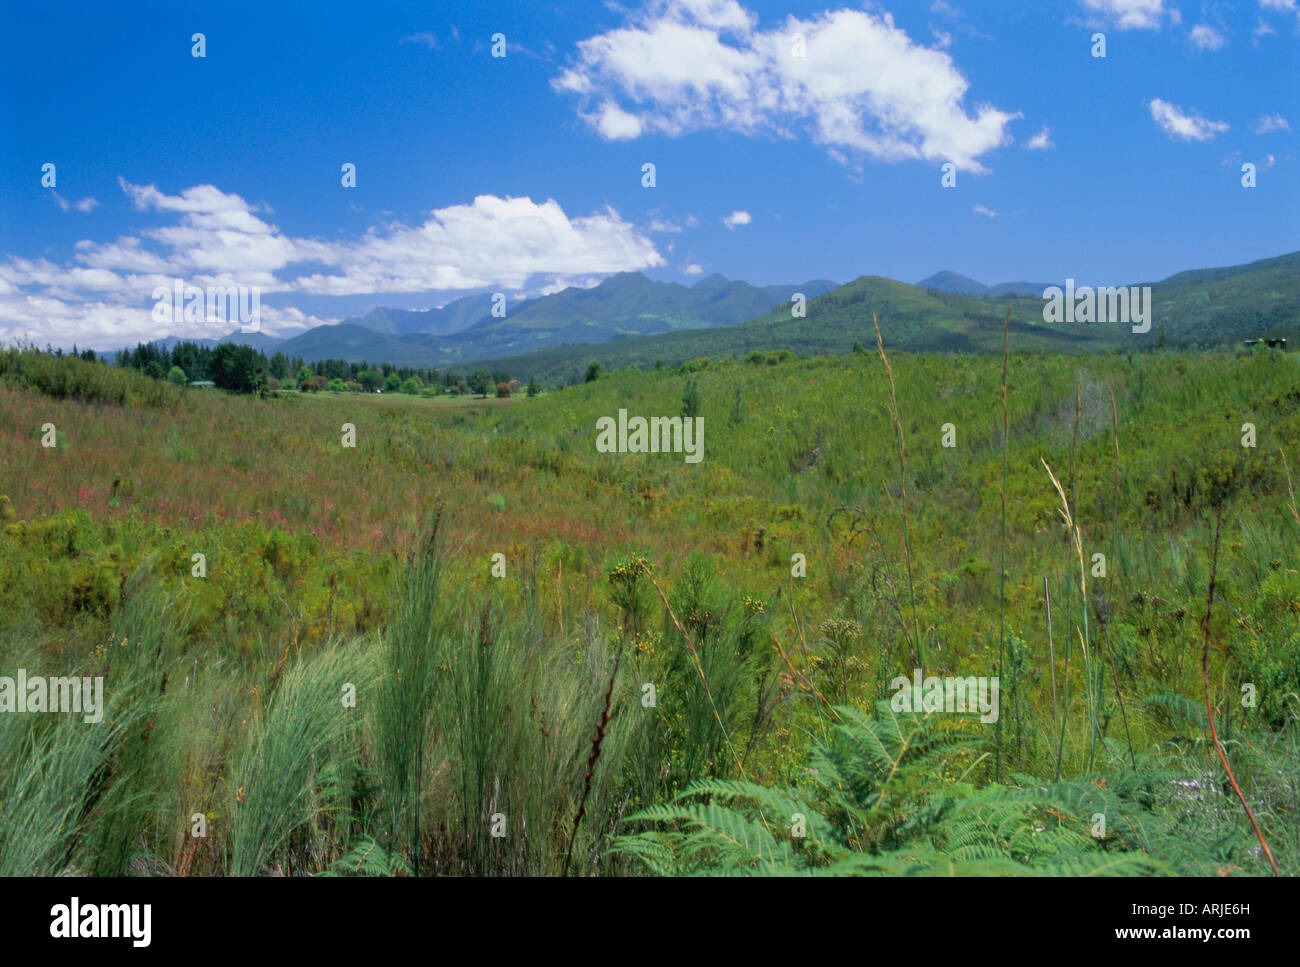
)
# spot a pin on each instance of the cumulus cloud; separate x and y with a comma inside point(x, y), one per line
point(1042, 141)
point(1130, 14)
point(493, 241)
point(559, 283)
point(857, 85)
point(672, 225)
point(1205, 37)
point(736, 218)
point(1271, 122)
point(1282, 6)
point(103, 296)
point(86, 205)
point(1182, 125)
point(615, 124)
point(692, 269)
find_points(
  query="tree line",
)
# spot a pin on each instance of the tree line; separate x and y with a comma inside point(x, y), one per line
point(245, 369)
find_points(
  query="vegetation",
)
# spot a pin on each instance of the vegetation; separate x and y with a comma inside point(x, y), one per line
point(245, 369)
point(346, 685)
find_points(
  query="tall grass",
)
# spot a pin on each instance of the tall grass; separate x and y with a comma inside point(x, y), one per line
point(1002, 536)
point(72, 790)
point(902, 484)
point(404, 695)
point(289, 781)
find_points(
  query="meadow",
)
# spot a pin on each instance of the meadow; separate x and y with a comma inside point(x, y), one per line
point(695, 660)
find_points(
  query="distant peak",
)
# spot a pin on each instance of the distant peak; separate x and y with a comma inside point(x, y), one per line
point(954, 282)
point(711, 281)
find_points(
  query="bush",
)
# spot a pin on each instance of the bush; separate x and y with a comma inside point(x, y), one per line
point(691, 399)
point(69, 377)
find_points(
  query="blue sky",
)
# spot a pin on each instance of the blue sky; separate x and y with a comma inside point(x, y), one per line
point(523, 173)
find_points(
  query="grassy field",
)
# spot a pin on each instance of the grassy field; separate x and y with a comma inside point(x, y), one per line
point(355, 684)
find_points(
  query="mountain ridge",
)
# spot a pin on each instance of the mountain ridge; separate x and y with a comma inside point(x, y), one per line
point(629, 319)
point(1199, 307)
point(626, 304)
point(958, 284)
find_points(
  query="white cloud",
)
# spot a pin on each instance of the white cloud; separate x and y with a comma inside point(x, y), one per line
point(86, 205)
point(429, 40)
point(493, 241)
point(561, 282)
point(672, 225)
point(1283, 7)
point(1271, 122)
point(205, 199)
point(864, 86)
point(987, 212)
point(1042, 141)
point(103, 297)
point(736, 218)
point(1130, 14)
point(1182, 126)
point(692, 269)
point(615, 124)
point(1205, 37)
point(724, 15)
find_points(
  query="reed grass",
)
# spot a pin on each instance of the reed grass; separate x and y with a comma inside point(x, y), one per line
point(902, 484)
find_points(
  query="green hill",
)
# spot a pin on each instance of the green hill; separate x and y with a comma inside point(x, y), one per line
point(1197, 309)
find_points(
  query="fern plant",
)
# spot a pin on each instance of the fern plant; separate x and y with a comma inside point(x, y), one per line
point(880, 798)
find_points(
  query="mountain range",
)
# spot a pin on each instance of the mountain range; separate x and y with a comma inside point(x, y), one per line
point(629, 319)
point(947, 281)
point(624, 305)
point(1204, 307)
